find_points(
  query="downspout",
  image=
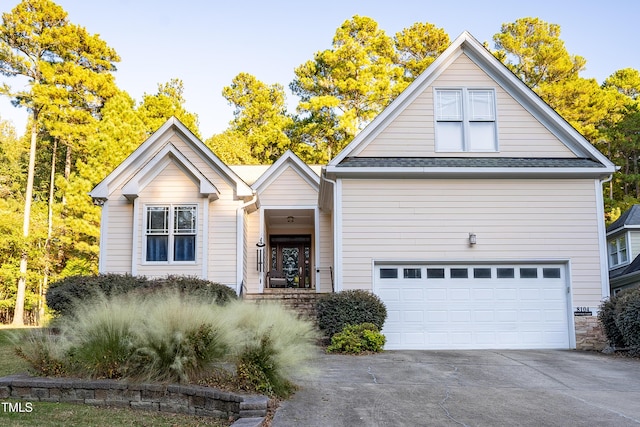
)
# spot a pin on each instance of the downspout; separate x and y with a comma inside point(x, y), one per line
point(602, 238)
point(240, 242)
point(336, 273)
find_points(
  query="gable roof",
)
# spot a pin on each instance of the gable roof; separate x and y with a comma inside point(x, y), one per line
point(467, 44)
point(138, 168)
point(629, 219)
point(287, 160)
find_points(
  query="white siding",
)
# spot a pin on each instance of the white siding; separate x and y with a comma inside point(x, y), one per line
point(411, 134)
point(514, 220)
point(171, 186)
point(326, 252)
point(117, 257)
point(289, 189)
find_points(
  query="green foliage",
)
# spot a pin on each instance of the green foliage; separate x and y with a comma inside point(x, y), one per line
point(63, 295)
point(620, 319)
point(256, 369)
point(354, 307)
point(260, 117)
point(535, 53)
point(169, 336)
point(167, 102)
point(607, 318)
point(38, 349)
point(357, 339)
point(270, 344)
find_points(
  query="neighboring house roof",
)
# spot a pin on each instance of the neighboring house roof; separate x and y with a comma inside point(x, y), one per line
point(629, 219)
point(598, 165)
point(139, 168)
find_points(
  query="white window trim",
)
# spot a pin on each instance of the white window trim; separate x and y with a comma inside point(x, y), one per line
point(170, 254)
point(617, 240)
point(466, 115)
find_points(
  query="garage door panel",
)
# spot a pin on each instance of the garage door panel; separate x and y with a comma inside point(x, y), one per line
point(493, 310)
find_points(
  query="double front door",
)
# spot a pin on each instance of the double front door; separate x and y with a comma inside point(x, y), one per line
point(290, 259)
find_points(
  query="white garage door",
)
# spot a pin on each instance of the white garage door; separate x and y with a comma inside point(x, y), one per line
point(474, 306)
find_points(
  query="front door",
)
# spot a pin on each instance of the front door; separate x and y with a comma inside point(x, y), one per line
point(290, 259)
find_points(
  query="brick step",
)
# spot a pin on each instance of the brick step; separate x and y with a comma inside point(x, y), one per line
point(301, 301)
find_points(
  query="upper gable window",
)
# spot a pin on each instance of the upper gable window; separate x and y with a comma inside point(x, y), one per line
point(170, 233)
point(465, 120)
point(617, 249)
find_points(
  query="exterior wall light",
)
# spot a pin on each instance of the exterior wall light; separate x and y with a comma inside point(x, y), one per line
point(472, 239)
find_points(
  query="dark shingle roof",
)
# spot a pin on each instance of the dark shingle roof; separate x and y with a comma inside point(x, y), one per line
point(464, 162)
point(629, 217)
point(631, 268)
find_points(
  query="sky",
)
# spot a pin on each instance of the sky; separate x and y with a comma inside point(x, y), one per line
point(206, 43)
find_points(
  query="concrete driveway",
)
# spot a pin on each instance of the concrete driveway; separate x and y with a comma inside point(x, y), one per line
point(466, 388)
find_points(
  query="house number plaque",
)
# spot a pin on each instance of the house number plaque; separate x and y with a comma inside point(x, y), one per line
point(582, 311)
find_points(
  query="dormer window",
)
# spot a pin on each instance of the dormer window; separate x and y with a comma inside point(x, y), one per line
point(618, 253)
point(465, 120)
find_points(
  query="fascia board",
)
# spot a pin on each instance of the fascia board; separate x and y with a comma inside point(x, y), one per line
point(546, 115)
point(623, 228)
point(289, 159)
point(405, 98)
point(423, 172)
point(155, 166)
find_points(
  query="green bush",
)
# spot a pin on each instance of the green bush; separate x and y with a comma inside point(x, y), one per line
point(357, 339)
point(169, 336)
point(620, 319)
point(271, 344)
point(627, 319)
point(64, 294)
point(354, 307)
point(607, 318)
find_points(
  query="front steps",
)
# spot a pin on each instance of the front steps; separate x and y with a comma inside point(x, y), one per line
point(302, 301)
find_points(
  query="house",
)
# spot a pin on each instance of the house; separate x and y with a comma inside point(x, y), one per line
point(469, 206)
point(623, 249)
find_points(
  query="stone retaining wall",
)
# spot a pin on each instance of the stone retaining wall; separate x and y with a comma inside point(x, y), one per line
point(175, 398)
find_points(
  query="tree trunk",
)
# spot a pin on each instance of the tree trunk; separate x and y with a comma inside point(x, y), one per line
point(47, 246)
point(18, 312)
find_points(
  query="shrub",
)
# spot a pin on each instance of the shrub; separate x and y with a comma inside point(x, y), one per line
point(38, 349)
point(357, 339)
point(64, 294)
point(620, 319)
point(257, 369)
point(271, 344)
point(607, 318)
point(354, 307)
point(168, 336)
point(627, 318)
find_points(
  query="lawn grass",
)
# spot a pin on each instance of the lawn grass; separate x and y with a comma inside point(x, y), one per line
point(72, 415)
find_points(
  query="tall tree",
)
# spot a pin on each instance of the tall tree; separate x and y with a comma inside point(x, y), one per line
point(168, 101)
point(259, 116)
point(418, 46)
point(534, 51)
point(626, 81)
point(35, 36)
point(345, 87)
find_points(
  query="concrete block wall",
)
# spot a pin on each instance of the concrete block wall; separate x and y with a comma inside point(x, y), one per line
point(174, 398)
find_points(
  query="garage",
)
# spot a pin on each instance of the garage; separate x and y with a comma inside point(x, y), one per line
point(474, 306)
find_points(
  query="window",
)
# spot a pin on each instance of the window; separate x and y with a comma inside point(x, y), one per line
point(465, 120)
point(617, 251)
point(388, 273)
point(412, 273)
point(171, 233)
